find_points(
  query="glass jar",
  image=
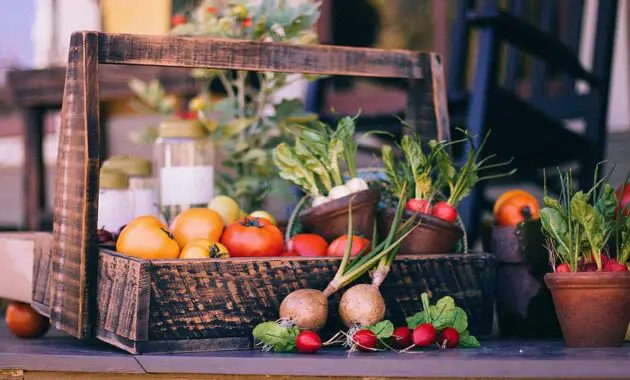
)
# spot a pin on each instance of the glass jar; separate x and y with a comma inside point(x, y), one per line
point(115, 201)
point(184, 162)
point(142, 185)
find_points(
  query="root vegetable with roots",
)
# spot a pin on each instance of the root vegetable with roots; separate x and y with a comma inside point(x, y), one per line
point(362, 304)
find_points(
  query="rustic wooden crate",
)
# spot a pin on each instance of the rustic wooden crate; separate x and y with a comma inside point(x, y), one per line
point(203, 305)
point(147, 306)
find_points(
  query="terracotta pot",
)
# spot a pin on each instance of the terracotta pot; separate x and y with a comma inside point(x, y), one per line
point(524, 304)
point(432, 236)
point(593, 307)
point(330, 220)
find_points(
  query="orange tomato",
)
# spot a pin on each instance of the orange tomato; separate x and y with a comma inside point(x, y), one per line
point(25, 322)
point(204, 249)
point(147, 238)
point(197, 223)
point(514, 207)
point(253, 237)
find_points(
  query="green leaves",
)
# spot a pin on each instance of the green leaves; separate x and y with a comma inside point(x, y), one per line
point(293, 169)
point(276, 337)
point(382, 330)
point(442, 315)
point(468, 341)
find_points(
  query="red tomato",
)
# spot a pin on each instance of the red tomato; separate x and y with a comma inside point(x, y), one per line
point(623, 195)
point(253, 237)
point(178, 20)
point(307, 245)
point(444, 211)
point(338, 246)
point(418, 205)
point(563, 268)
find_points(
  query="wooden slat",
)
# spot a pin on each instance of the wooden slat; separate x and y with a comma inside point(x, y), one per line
point(76, 193)
point(123, 290)
point(44, 87)
point(257, 56)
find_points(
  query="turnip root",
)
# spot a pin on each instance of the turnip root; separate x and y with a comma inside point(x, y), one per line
point(338, 192)
point(307, 308)
point(356, 184)
point(318, 201)
point(362, 304)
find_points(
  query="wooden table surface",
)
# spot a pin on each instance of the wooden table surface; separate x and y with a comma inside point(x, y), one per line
point(57, 356)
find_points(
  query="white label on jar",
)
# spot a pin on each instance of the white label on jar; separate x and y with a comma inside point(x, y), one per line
point(115, 209)
point(145, 202)
point(186, 185)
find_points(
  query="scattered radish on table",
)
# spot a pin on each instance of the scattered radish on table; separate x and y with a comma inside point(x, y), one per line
point(402, 337)
point(365, 340)
point(308, 342)
point(448, 338)
point(424, 335)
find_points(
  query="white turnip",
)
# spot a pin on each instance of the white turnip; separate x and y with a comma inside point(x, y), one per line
point(338, 192)
point(356, 184)
point(318, 201)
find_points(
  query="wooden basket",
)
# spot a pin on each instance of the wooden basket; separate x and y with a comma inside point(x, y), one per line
point(157, 305)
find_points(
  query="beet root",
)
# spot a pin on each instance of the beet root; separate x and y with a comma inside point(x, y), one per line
point(362, 304)
point(307, 308)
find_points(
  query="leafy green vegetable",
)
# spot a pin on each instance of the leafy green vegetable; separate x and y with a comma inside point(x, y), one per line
point(276, 337)
point(383, 329)
point(460, 320)
point(461, 182)
point(442, 315)
point(468, 341)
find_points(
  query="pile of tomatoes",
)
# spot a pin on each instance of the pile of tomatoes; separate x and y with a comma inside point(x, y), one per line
point(312, 245)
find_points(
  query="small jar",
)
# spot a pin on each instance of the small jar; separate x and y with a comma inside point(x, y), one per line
point(142, 185)
point(184, 162)
point(115, 201)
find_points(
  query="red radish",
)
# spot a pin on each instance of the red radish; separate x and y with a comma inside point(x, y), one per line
point(418, 205)
point(563, 268)
point(614, 266)
point(623, 195)
point(402, 337)
point(308, 342)
point(444, 211)
point(590, 267)
point(449, 338)
point(365, 340)
point(424, 335)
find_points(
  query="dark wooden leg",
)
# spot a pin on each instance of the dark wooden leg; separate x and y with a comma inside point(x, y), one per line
point(34, 168)
point(477, 123)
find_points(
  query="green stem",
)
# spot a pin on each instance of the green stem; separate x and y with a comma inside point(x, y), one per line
point(228, 87)
point(348, 249)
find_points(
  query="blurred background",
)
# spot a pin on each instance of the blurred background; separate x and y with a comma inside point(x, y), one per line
point(552, 78)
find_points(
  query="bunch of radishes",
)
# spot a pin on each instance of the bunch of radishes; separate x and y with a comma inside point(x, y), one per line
point(434, 174)
point(442, 324)
point(316, 160)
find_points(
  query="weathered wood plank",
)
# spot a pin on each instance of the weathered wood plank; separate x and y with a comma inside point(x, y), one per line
point(42, 265)
point(122, 293)
point(44, 87)
point(76, 193)
point(257, 56)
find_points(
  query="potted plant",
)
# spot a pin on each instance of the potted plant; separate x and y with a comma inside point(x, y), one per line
point(590, 290)
point(435, 189)
point(315, 163)
point(242, 112)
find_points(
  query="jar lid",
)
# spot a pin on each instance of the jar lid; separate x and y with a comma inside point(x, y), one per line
point(131, 166)
point(112, 179)
point(181, 128)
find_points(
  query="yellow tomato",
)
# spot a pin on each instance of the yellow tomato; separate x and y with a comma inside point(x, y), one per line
point(226, 207)
point(204, 249)
point(265, 215)
point(147, 238)
point(198, 103)
point(197, 223)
